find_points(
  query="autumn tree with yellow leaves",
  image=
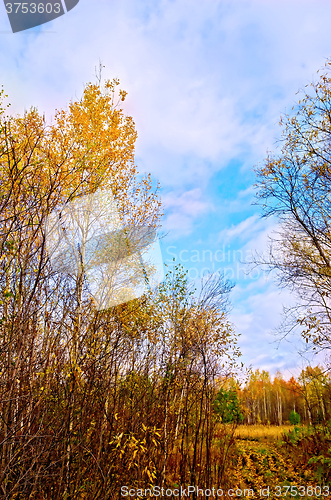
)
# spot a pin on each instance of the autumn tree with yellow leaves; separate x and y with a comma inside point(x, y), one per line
point(91, 398)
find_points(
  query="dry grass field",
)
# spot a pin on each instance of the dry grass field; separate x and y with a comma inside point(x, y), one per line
point(262, 433)
point(268, 456)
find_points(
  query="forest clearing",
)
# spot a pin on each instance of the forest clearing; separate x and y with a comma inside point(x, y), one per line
point(269, 456)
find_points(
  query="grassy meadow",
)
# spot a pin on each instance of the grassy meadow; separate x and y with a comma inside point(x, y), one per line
point(262, 433)
point(281, 460)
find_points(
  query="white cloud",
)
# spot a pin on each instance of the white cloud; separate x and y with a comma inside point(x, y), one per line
point(243, 230)
point(205, 79)
point(257, 315)
point(181, 209)
point(252, 234)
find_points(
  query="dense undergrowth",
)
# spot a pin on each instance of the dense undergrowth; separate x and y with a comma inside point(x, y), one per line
point(265, 456)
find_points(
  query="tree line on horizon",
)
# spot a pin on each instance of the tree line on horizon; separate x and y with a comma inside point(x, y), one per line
point(277, 401)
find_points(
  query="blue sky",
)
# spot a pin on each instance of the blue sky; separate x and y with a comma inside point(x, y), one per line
point(207, 81)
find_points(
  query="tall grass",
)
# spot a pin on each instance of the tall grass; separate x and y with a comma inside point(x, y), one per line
point(270, 433)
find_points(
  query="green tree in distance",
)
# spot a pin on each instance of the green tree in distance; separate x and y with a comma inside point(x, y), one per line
point(228, 407)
